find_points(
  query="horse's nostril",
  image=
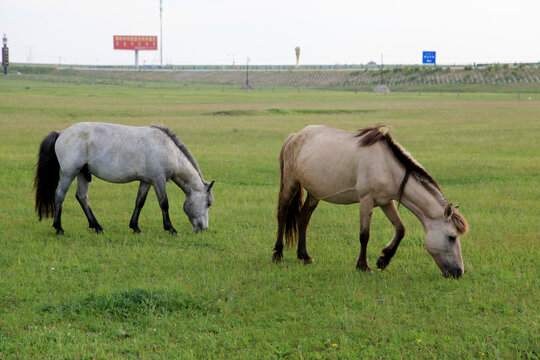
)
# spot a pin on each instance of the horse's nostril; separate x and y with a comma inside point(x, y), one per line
point(199, 226)
point(455, 273)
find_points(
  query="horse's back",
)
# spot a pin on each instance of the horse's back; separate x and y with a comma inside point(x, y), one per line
point(113, 152)
point(324, 146)
point(331, 165)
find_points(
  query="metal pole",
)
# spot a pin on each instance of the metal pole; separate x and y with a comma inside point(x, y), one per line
point(247, 72)
point(5, 54)
point(381, 70)
point(161, 32)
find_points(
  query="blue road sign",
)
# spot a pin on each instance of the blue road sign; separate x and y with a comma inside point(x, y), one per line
point(428, 57)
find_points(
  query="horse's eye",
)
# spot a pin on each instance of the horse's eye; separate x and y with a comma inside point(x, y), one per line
point(452, 237)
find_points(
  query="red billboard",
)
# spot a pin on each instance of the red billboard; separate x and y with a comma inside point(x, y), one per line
point(134, 42)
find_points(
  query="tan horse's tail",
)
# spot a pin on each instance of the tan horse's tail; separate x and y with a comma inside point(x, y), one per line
point(292, 210)
point(291, 223)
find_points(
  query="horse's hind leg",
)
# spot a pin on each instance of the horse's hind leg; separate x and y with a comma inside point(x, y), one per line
point(159, 187)
point(60, 195)
point(83, 184)
point(303, 220)
point(366, 210)
point(389, 250)
point(139, 203)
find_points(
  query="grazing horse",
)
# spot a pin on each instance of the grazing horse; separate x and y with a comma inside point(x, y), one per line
point(369, 167)
point(119, 154)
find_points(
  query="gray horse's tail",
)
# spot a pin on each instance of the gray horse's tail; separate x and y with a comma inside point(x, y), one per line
point(47, 176)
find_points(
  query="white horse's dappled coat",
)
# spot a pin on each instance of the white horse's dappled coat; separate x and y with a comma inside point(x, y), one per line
point(119, 154)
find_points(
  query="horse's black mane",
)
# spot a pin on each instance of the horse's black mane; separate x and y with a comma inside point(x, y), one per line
point(183, 148)
point(372, 135)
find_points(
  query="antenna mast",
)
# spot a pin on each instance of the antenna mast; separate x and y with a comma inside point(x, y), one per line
point(161, 32)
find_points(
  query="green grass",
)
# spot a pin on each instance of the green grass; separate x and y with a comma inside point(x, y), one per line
point(218, 294)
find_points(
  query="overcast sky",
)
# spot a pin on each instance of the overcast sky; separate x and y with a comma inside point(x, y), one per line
point(267, 31)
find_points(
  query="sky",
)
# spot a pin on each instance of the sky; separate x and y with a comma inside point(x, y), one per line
point(213, 32)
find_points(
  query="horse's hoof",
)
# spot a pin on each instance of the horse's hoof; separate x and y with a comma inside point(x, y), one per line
point(381, 264)
point(309, 260)
point(173, 232)
point(277, 257)
point(59, 232)
point(364, 268)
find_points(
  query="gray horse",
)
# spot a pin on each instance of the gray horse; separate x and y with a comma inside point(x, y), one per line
point(119, 154)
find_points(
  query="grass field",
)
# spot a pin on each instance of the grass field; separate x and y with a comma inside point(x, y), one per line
point(218, 294)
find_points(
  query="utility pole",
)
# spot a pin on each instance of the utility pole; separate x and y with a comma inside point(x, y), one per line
point(5, 54)
point(29, 58)
point(247, 85)
point(161, 32)
point(247, 72)
point(381, 81)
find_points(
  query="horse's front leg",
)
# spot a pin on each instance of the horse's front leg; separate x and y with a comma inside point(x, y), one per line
point(389, 250)
point(366, 210)
point(159, 187)
point(139, 203)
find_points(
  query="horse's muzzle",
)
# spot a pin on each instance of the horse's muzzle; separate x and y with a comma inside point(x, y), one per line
point(200, 228)
point(455, 273)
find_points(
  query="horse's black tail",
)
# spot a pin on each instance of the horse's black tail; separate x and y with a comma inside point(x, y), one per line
point(47, 176)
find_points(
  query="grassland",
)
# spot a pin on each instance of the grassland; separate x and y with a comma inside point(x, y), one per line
point(218, 294)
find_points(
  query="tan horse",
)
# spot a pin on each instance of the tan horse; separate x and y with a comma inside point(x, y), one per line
point(369, 167)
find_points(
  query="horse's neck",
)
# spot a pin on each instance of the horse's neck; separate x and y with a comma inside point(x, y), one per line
point(187, 177)
point(425, 204)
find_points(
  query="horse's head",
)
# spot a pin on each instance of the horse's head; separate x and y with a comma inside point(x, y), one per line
point(442, 241)
point(196, 207)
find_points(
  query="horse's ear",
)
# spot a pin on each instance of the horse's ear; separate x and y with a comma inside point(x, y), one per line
point(448, 211)
point(210, 185)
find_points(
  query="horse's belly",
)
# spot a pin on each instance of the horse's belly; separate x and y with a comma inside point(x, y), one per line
point(329, 187)
point(114, 174)
point(349, 196)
